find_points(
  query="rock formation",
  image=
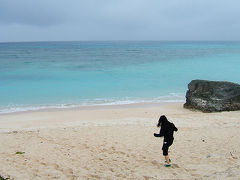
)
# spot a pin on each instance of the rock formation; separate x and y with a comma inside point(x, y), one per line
point(213, 96)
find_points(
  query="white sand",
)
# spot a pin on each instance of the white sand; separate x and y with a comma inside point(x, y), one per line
point(118, 143)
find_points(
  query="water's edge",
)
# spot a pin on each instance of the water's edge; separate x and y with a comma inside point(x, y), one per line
point(108, 105)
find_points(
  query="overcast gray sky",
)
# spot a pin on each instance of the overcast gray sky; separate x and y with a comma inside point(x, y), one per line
point(55, 20)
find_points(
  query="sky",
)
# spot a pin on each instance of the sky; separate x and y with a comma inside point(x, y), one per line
point(89, 20)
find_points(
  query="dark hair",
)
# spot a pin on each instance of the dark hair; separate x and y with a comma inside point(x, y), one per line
point(162, 120)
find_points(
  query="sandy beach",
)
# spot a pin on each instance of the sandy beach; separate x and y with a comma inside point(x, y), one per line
point(117, 142)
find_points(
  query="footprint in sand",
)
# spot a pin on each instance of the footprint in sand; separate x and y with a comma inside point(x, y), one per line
point(174, 166)
point(155, 163)
point(86, 168)
point(196, 175)
point(147, 177)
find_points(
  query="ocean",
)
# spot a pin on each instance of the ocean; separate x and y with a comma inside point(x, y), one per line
point(40, 75)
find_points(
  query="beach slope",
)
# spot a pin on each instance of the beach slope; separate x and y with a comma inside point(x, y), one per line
point(118, 143)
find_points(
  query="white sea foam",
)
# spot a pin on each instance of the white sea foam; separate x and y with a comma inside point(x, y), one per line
point(173, 97)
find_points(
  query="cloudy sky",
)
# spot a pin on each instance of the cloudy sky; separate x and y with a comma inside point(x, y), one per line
point(56, 20)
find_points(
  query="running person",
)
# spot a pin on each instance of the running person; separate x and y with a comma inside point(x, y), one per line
point(166, 131)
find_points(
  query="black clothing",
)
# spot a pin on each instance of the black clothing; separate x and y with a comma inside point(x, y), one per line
point(165, 147)
point(166, 131)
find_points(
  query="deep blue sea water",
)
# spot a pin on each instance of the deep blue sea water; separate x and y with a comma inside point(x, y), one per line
point(35, 75)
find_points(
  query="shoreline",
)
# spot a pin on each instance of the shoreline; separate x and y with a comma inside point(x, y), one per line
point(109, 115)
point(93, 107)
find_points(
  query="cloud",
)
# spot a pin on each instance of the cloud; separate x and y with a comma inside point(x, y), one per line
point(29, 12)
point(120, 19)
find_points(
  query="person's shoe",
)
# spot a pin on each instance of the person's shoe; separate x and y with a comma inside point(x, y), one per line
point(167, 165)
point(169, 161)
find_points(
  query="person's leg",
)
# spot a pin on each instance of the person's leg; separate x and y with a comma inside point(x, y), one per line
point(165, 153)
point(167, 159)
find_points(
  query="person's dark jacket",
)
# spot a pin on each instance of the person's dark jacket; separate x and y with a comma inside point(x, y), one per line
point(166, 131)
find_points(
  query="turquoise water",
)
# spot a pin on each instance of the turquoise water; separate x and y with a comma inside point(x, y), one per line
point(37, 75)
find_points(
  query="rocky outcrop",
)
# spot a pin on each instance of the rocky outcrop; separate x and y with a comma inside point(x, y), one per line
point(213, 96)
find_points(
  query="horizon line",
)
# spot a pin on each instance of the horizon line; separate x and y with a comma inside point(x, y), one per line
point(119, 41)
